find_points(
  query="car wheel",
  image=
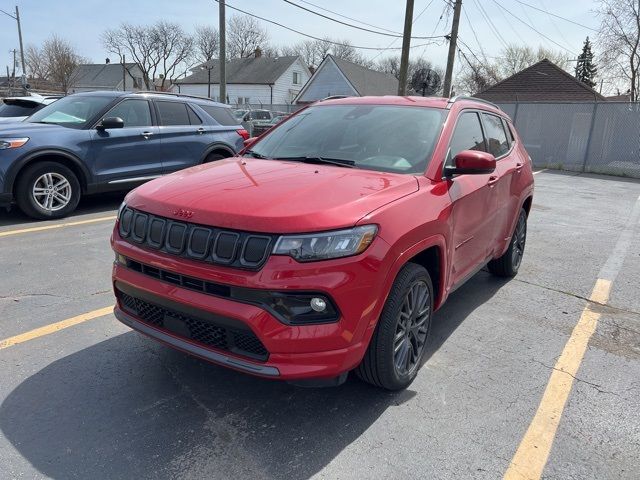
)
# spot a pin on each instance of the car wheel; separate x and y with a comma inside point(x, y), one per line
point(509, 263)
point(47, 190)
point(395, 353)
point(213, 157)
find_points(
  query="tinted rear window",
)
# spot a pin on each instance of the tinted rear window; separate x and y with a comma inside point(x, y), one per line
point(222, 115)
point(173, 113)
point(17, 110)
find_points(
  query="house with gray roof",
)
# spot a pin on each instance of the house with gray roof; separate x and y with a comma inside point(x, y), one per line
point(106, 76)
point(256, 80)
point(335, 76)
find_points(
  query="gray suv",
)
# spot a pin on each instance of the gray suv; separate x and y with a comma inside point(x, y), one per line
point(98, 141)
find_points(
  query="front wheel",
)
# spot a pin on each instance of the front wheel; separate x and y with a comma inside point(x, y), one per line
point(47, 190)
point(508, 264)
point(395, 353)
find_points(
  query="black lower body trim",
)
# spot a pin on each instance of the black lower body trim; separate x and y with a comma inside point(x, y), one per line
point(193, 349)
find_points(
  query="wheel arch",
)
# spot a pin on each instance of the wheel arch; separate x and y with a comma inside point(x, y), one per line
point(220, 147)
point(528, 202)
point(64, 158)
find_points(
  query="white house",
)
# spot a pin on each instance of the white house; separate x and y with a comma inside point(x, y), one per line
point(255, 80)
point(335, 76)
point(106, 76)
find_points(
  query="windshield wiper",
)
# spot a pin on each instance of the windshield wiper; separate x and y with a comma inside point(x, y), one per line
point(340, 162)
point(255, 154)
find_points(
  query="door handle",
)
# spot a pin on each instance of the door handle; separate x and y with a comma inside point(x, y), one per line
point(201, 130)
point(492, 180)
point(146, 134)
point(519, 166)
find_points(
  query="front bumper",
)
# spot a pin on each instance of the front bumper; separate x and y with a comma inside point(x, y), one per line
point(314, 351)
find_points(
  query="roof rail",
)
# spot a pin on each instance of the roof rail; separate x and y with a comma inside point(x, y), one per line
point(474, 99)
point(334, 97)
point(173, 94)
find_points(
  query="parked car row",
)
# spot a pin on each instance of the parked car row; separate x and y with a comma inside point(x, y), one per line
point(93, 142)
point(258, 121)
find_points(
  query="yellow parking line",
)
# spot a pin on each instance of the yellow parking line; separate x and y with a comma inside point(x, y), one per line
point(54, 327)
point(534, 449)
point(57, 225)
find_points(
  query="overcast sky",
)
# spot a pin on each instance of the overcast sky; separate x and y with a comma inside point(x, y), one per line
point(81, 22)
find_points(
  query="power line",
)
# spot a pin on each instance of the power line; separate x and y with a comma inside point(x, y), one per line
point(493, 28)
point(414, 21)
point(557, 16)
point(311, 36)
point(349, 24)
point(349, 18)
point(473, 30)
point(533, 28)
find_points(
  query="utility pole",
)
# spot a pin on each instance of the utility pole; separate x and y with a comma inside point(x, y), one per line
point(406, 43)
point(453, 43)
point(124, 73)
point(222, 57)
point(24, 68)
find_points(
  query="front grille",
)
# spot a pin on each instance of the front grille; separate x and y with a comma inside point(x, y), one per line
point(242, 342)
point(196, 242)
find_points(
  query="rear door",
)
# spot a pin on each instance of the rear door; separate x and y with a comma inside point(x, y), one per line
point(182, 135)
point(129, 154)
point(473, 203)
point(500, 143)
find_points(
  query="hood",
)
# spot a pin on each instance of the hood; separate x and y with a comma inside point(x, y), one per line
point(271, 196)
point(26, 128)
point(11, 119)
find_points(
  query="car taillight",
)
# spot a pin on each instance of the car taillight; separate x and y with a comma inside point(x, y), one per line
point(243, 133)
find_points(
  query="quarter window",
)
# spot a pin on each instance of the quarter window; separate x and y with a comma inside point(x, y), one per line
point(467, 135)
point(222, 115)
point(134, 113)
point(173, 113)
point(496, 136)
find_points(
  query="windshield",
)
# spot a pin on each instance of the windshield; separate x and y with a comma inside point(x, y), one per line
point(376, 137)
point(72, 111)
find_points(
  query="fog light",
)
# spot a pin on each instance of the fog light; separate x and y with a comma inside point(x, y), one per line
point(121, 259)
point(318, 304)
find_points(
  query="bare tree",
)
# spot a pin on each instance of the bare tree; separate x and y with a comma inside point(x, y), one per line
point(37, 64)
point(161, 49)
point(619, 41)
point(314, 51)
point(58, 60)
point(391, 65)
point(206, 43)
point(244, 35)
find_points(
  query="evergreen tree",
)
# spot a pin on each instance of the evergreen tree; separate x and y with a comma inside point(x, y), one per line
point(585, 68)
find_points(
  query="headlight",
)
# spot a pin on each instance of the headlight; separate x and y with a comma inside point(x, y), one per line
point(6, 143)
point(122, 206)
point(326, 245)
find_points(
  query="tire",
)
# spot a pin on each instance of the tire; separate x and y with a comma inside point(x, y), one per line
point(58, 191)
point(214, 157)
point(379, 366)
point(509, 263)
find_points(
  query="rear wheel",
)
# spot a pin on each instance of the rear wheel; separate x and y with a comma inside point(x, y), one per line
point(509, 263)
point(47, 190)
point(395, 353)
point(214, 157)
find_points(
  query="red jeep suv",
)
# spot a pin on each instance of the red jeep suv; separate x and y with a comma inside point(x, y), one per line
point(328, 244)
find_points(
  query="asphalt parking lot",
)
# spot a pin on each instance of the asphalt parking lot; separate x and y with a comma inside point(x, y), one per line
point(95, 400)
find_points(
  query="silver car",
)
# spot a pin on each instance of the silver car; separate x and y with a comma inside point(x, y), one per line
point(16, 109)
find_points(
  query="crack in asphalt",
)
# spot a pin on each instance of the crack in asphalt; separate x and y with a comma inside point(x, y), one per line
point(594, 385)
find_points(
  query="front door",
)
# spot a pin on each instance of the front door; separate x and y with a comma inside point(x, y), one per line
point(473, 203)
point(130, 154)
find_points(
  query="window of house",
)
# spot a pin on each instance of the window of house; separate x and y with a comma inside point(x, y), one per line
point(497, 141)
point(467, 135)
point(243, 100)
point(296, 78)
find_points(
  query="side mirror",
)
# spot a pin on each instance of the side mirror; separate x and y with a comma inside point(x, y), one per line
point(110, 122)
point(471, 162)
point(249, 141)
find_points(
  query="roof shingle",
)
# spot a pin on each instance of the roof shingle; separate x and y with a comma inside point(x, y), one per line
point(261, 70)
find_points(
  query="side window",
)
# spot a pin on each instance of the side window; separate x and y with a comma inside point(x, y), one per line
point(173, 113)
point(496, 136)
point(193, 117)
point(221, 115)
point(262, 115)
point(134, 113)
point(467, 135)
point(507, 128)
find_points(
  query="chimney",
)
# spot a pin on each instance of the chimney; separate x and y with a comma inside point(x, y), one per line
point(258, 52)
point(107, 61)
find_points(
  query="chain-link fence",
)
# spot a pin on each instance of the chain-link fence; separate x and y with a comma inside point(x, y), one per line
point(597, 137)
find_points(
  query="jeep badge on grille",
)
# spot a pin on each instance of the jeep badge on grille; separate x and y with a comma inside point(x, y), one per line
point(181, 212)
